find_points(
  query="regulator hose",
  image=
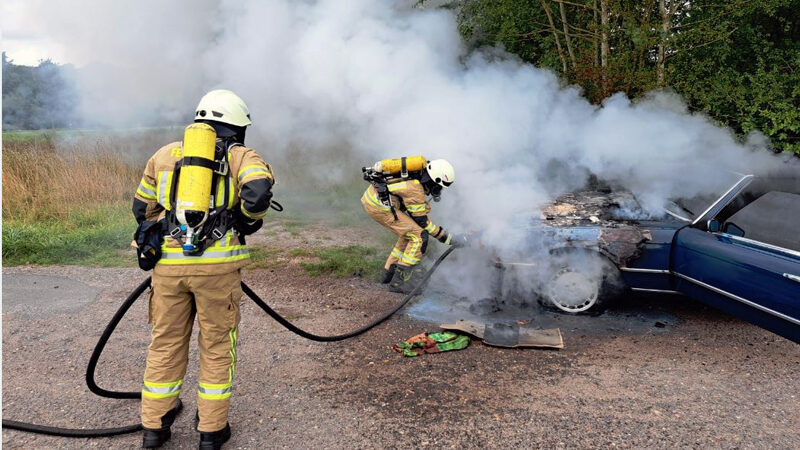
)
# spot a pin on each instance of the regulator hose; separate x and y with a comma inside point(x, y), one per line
point(123, 309)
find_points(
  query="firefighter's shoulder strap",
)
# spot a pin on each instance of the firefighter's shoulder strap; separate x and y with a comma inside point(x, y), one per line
point(219, 220)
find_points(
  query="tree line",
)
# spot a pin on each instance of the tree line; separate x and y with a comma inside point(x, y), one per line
point(736, 60)
point(40, 97)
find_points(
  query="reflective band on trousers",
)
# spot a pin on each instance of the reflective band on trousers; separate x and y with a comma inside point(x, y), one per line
point(221, 391)
point(415, 207)
point(161, 390)
point(233, 334)
point(416, 243)
point(211, 391)
point(372, 199)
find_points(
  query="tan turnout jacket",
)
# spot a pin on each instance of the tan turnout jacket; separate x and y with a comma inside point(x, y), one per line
point(225, 255)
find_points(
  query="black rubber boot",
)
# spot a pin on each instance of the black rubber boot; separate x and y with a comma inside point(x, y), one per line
point(401, 281)
point(157, 438)
point(388, 274)
point(214, 440)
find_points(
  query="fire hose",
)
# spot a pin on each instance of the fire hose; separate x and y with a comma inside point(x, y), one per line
point(123, 309)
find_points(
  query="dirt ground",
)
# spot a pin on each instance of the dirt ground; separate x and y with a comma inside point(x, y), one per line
point(699, 378)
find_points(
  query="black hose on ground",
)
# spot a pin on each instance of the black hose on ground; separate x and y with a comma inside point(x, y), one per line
point(123, 309)
point(314, 337)
point(90, 382)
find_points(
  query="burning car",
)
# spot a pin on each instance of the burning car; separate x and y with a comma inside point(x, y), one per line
point(739, 252)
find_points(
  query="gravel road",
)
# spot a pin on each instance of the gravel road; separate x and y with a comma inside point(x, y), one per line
point(697, 379)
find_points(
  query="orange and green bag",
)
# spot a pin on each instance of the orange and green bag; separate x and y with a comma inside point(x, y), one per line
point(432, 343)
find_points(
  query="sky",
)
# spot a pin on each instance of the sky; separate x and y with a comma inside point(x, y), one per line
point(23, 41)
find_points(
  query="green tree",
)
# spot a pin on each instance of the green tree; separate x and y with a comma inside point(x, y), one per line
point(738, 61)
point(37, 97)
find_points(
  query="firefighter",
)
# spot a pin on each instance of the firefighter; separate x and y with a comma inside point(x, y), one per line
point(204, 281)
point(407, 217)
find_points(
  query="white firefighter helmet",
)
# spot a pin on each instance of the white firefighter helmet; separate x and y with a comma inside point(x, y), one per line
point(222, 105)
point(441, 172)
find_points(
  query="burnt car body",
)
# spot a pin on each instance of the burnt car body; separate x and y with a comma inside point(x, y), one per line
point(741, 254)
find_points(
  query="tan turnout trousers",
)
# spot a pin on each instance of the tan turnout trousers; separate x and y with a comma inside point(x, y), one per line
point(408, 249)
point(207, 286)
point(174, 302)
point(411, 237)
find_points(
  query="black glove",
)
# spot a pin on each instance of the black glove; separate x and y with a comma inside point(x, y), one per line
point(459, 240)
point(149, 236)
point(244, 225)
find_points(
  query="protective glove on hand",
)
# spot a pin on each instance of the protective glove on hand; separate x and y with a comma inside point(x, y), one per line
point(244, 225)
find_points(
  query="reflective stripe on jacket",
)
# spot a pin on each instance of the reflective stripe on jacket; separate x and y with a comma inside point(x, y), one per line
point(226, 254)
point(410, 194)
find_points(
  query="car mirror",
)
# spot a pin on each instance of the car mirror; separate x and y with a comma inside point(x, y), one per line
point(733, 229)
point(713, 225)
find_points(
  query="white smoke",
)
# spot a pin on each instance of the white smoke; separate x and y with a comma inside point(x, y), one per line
point(388, 80)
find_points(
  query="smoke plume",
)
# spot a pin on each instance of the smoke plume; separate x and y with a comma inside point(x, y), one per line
point(385, 79)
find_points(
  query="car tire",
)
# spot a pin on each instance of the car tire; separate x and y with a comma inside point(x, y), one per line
point(582, 282)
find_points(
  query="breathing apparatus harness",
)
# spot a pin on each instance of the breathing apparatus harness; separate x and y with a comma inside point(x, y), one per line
point(220, 219)
point(380, 179)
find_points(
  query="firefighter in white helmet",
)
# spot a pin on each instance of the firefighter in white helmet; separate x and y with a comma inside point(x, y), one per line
point(396, 199)
point(198, 272)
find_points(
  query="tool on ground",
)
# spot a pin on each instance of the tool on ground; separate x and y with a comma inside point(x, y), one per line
point(123, 309)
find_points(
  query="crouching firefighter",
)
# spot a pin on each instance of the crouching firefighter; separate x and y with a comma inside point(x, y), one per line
point(396, 199)
point(197, 200)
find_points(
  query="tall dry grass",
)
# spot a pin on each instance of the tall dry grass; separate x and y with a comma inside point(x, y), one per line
point(45, 179)
point(67, 196)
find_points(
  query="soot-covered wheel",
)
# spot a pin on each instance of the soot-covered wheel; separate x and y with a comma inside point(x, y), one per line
point(582, 283)
point(572, 291)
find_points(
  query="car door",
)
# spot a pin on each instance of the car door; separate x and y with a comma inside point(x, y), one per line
point(749, 268)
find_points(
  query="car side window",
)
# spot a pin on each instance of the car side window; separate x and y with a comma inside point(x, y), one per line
point(773, 218)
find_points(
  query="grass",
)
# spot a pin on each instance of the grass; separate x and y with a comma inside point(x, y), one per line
point(264, 258)
point(66, 204)
point(293, 226)
point(67, 196)
point(24, 136)
point(346, 261)
point(342, 261)
point(97, 237)
point(27, 136)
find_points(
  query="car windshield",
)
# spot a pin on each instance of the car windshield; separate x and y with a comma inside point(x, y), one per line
point(773, 218)
point(767, 210)
point(690, 208)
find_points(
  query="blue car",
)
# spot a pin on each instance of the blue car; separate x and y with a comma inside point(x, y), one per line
point(739, 253)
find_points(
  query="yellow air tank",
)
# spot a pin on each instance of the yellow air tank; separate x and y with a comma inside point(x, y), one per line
point(194, 182)
point(395, 166)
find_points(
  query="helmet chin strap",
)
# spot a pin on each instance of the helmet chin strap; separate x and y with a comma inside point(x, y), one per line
point(431, 187)
point(228, 133)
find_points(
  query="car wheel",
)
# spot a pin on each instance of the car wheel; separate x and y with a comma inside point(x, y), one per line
point(583, 283)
